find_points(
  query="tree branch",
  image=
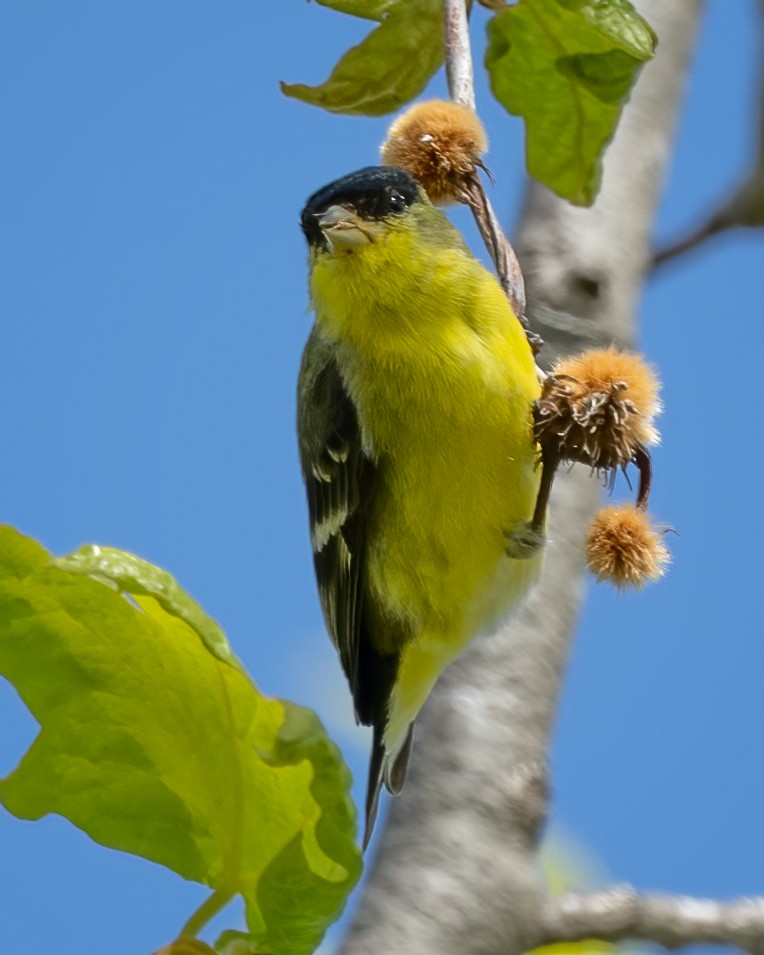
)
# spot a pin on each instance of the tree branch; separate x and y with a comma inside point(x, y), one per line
point(745, 207)
point(672, 921)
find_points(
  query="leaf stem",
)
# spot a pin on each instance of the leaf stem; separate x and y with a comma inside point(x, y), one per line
point(205, 913)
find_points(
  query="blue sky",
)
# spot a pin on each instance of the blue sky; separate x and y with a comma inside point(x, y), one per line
point(152, 288)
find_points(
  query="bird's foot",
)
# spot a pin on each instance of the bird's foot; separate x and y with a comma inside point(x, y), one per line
point(525, 541)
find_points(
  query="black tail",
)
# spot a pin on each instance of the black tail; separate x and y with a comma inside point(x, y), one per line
point(381, 769)
point(374, 784)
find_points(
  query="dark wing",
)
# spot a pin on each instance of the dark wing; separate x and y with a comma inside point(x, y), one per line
point(339, 480)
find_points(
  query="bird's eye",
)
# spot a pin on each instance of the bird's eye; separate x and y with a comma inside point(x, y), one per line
point(396, 202)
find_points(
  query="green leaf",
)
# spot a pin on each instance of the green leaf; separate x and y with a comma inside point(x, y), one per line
point(567, 67)
point(387, 69)
point(152, 744)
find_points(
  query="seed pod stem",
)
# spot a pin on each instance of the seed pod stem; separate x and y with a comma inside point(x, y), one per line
point(499, 247)
point(644, 463)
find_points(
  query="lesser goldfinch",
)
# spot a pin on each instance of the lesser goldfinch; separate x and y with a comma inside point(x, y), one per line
point(415, 435)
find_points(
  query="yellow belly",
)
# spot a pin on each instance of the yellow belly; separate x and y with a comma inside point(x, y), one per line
point(452, 485)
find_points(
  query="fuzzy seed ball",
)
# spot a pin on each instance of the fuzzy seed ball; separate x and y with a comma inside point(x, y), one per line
point(607, 371)
point(623, 547)
point(439, 143)
point(598, 408)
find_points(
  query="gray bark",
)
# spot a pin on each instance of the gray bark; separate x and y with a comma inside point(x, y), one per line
point(456, 870)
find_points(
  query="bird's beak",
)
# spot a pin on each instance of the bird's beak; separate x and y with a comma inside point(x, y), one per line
point(344, 229)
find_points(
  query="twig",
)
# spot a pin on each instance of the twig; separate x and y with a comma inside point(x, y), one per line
point(745, 208)
point(459, 72)
point(461, 87)
point(715, 224)
point(671, 921)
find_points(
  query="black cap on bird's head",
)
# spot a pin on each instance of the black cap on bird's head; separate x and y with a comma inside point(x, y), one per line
point(366, 196)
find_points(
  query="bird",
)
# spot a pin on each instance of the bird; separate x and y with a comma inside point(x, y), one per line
point(414, 418)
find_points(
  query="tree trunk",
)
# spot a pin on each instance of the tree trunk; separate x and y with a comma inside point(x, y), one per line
point(456, 870)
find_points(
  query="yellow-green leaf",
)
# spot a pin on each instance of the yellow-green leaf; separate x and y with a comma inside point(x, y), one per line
point(387, 69)
point(152, 744)
point(567, 67)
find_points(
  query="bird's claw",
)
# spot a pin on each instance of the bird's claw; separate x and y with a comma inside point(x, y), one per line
point(525, 541)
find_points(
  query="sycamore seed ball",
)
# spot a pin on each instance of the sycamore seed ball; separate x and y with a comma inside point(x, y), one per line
point(624, 548)
point(440, 144)
point(598, 408)
point(610, 371)
point(598, 368)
